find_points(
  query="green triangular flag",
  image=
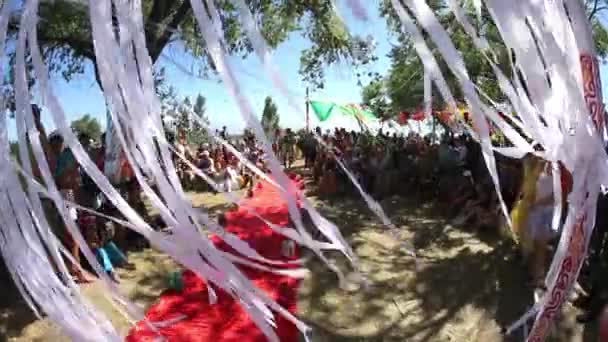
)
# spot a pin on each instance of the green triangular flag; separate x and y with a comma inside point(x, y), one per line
point(322, 109)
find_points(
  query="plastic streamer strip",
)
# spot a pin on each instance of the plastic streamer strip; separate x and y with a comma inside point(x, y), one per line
point(127, 211)
point(356, 7)
point(428, 95)
point(54, 193)
point(570, 256)
point(24, 114)
point(80, 154)
point(219, 58)
point(546, 102)
point(8, 246)
point(263, 52)
point(454, 60)
point(285, 231)
point(29, 262)
point(561, 79)
point(446, 48)
point(234, 281)
point(258, 304)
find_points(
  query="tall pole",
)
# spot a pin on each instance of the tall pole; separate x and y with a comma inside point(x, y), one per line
point(307, 117)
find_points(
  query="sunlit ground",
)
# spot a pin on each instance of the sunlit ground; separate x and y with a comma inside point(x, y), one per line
point(468, 285)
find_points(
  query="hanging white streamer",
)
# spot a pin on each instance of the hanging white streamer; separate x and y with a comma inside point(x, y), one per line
point(428, 95)
point(547, 92)
point(331, 231)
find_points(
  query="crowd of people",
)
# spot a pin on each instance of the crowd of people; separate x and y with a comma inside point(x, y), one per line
point(449, 170)
point(105, 239)
point(220, 163)
point(453, 174)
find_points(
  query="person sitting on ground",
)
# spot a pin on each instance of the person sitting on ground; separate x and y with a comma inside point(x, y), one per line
point(229, 178)
point(106, 251)
point(206, 163)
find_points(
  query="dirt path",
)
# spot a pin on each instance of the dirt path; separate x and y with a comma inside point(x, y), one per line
point(466, 286)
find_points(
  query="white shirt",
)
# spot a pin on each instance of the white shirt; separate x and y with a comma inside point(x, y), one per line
point(544, 186)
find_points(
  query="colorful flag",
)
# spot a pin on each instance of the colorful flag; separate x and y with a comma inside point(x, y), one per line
point(323, 110)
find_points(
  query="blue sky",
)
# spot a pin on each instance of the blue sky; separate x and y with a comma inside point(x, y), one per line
point(82, 95)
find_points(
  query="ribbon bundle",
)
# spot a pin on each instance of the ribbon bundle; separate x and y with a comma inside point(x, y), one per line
point(555, 93)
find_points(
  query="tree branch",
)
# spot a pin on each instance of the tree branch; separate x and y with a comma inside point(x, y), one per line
point(156, 44)
point(596, 9)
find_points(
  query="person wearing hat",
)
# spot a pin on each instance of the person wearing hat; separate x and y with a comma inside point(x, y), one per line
point(206, 163)
point(65, 171)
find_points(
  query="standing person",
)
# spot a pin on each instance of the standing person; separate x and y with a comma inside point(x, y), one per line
point(539, 225)
point(310, 150)
point(68, 179)
point(287, 148)
point(275, 141)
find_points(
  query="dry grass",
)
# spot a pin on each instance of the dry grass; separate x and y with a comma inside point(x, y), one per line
point(465, 287)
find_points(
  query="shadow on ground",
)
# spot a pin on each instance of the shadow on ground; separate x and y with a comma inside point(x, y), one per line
point(465, 286)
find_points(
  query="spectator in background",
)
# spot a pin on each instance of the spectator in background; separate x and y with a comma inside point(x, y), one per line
point(68, 180)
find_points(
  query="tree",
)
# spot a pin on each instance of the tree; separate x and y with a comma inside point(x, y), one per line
point(66, 39)
point(404, 83)
point(87, 125)
point(184, 110)
point(166, 93)
point(198, 134)
point(183, 113)
point(375, 97)
point(270, 117)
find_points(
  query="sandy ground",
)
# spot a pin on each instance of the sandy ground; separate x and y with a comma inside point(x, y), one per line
point(465, 286)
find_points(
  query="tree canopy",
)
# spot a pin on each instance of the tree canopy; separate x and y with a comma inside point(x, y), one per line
point(402, 89)
point(270, 117)
point(65, 33)
point(87, 125)
point(184, 113)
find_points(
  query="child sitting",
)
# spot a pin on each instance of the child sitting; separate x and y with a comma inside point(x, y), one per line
point(98, 234)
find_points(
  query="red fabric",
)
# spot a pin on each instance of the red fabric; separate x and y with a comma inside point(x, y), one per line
point(566, 180)
point(419, 116)
point(226, 320)
point(403, 118)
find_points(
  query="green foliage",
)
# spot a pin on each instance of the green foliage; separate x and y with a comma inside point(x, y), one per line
point(166, 93)
point(87, 125)
point(404, 84)
point(185, 112)
point(270, 117)
point(197, 133)
point(65, 34)
point(14, 150)
point(594, 10)
point(375, 97)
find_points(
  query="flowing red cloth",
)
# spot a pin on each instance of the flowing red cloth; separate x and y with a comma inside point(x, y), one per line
point(226, 320)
